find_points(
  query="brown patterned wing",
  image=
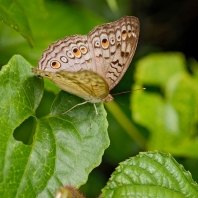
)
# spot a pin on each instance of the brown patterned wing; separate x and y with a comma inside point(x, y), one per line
point(69, 54)
point(113, 46)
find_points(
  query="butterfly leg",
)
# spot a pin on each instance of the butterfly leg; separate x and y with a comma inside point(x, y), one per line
point(96, 110)
point(83, 104)
point(74, 107)
point(94, 116)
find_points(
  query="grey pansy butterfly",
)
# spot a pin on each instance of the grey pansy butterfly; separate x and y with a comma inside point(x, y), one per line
point(90, 66)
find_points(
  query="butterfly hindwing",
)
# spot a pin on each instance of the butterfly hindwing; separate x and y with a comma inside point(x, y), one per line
point(114, 45)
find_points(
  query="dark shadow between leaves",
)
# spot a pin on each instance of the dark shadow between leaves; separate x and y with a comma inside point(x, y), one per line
point(45, 104)
point(25, 132)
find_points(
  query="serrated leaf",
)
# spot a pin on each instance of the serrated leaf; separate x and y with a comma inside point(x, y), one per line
point(151, 174)
point(64, 150)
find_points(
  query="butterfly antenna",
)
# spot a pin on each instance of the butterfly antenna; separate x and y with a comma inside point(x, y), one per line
point(128, 91)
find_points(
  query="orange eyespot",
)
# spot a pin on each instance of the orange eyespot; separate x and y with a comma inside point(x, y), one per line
point(55, 64)
point(105, 43)
point(76, 52)
point(129, 33)
point(83, 50)
point(124, 34)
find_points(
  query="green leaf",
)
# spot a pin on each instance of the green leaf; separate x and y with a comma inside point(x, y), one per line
point(165, 65)
point(15, 14)
point(170, 116)
point(126, 123)
point(151, 174)
point(64, 149)
point(62, 20)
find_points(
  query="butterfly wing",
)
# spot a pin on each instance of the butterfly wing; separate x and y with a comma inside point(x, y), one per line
point(70, 54)
point(85, 84)
point(114, 45)
point(69, 64)
point(90, 66)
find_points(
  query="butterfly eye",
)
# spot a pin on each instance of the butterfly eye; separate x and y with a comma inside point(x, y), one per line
point(55, 64)
point(105, 43)
point(83, 50)
point(124, 34)
point(77, 52)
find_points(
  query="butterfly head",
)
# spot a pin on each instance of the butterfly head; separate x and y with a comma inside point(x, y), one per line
point(108, 98)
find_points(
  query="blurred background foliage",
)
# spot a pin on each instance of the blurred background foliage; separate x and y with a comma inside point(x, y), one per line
point(164, 117)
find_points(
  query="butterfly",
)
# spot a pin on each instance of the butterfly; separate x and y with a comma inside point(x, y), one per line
point(89, 66)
